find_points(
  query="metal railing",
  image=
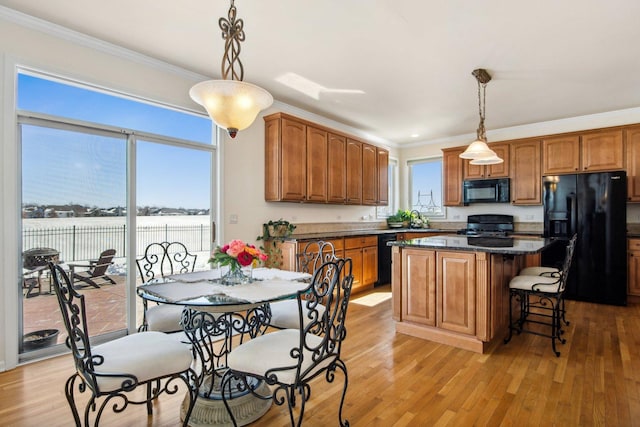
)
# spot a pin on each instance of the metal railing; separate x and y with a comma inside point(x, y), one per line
point(78, 243)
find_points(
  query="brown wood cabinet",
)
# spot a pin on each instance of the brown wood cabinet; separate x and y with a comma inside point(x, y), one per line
point(369, 175)
point(363, 251)
point(456, 292)
point(584, 152)
point(500, 170)
point(337, 173)
point(305, 162)
point(291, 248)
point(561, 155)
point(452, 176)
point(602, 151)
point(633, 279)
point(317, 166)
point(419, 286)
point(632, 137)
point(354, 172)
point(525, 173)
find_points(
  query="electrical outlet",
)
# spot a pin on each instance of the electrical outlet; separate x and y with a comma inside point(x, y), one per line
point(528, 217)
point(233, 219)
point(456, 217)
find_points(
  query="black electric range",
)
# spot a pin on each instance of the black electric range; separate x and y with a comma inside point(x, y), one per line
point(489, 230)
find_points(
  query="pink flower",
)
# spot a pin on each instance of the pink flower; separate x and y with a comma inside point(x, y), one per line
point(224, 249)
point(235, 248)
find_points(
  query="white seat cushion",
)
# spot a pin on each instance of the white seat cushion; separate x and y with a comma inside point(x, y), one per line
point(538, 271)
point(146, 355)
point(542, 283)
point(271, 351)
point(164, 317)
point(284, 314)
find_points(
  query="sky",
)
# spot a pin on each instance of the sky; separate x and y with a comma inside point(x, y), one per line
point(61, 166)
point(426, 177)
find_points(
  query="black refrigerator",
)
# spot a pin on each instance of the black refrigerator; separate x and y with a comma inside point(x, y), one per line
point(593, 205)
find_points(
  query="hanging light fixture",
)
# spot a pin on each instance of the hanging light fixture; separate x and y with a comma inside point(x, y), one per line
point(478, 151)
point(231, 103)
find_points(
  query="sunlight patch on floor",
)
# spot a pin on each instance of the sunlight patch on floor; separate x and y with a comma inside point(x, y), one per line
point(372, 299)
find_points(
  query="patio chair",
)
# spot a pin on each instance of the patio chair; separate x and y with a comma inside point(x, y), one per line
point(96, 272)
point(288, 360)
point(111, 372)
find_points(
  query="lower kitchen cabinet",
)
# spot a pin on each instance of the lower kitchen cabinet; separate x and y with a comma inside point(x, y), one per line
point(456, 292)
point(363, 251)
point(633, 278)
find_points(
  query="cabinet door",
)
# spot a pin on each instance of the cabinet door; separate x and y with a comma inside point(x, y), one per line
point(525, 170)
point(337, 178)
point(500, 170)
point(383, 177)
point(634, 267)
point(316, 165)
point(472, 171)
point(419, 286)
point(452, 176)
point(632, 137)
point(369, 265)
point(294, 160)
point(455, 292)
point(602, 151)
point(369, 175)
point(354, 172)
point(356, 262)
point(560, 155)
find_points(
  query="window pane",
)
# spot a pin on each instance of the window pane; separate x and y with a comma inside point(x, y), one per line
point(59, 99)
point(74, 194)
point(426, 186)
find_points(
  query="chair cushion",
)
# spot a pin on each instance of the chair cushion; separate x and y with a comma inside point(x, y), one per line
point(542, 283)
point(272, 351)
point(284, 314)
point(538, 271)
point(164, 317)
point(146, 355)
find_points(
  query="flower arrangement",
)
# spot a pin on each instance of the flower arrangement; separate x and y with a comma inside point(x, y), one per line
point(237, 254)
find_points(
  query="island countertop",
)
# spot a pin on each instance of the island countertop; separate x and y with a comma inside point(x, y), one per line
point(496, 245)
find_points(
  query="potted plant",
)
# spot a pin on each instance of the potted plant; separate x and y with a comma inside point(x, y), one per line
point(400, 219)
point(272, 232)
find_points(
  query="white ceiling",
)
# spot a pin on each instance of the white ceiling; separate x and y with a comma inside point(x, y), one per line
point(394, 68)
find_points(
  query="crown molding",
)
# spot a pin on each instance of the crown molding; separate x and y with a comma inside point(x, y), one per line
point(81, 39)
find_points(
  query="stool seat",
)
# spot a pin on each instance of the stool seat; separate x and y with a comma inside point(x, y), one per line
point(539, 271)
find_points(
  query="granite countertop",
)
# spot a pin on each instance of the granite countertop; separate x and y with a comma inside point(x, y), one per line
point(349, 233)
point(519, 246)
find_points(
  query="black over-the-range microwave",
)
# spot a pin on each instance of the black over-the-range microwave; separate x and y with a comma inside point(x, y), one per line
point(486, 191)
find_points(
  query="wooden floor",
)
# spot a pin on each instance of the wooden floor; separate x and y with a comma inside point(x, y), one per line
point(397, 380)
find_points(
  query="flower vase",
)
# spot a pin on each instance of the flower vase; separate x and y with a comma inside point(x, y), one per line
point(235, 276)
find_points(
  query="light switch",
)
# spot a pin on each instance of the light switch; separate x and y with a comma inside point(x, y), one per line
point(233, 219)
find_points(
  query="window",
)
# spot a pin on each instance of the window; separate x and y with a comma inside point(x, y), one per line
point(392, 207)
point(76, 142)
point(425, 183)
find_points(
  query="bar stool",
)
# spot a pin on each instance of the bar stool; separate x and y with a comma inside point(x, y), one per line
point(541, 301)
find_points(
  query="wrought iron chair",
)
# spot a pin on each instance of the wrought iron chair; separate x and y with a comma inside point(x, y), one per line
point(541, 300)
point(287, 360)
point(111, 371)
point(96, 271)
point(284, 314)
point(159, 261)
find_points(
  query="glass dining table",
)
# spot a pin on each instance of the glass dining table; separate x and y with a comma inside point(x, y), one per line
point(215, 318)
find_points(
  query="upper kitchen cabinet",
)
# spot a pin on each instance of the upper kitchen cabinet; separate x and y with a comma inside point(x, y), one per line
point(500, 170)
point(452, 167)
point(585, 152)
point(525, 173)
point(337, 178)
point(285, 159)
point(354, 172)
point(602, 151)
point(560, 155)
point(306, 162)
point(632, 137)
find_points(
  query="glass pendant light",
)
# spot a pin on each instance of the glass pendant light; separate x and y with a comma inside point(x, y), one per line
point(231, 103)
point(478, 151)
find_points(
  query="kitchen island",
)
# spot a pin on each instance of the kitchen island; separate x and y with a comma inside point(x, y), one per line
point(455, 289)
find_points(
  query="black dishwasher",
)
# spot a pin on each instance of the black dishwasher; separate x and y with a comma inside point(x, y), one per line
point(384, 258)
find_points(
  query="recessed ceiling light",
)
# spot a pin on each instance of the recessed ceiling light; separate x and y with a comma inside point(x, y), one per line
point(415, 135)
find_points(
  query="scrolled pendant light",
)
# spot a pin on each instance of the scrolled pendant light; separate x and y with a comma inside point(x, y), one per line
point(478, 151)
point(231, 103)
